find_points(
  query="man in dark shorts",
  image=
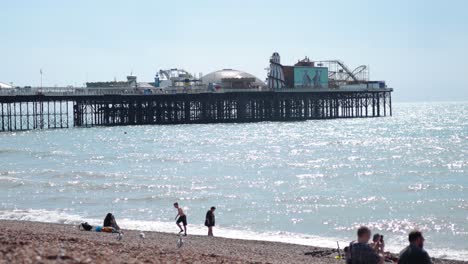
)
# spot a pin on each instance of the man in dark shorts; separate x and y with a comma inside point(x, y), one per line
point(414, 253)
point(360, 252)
point(210, 220)
point(181, 218)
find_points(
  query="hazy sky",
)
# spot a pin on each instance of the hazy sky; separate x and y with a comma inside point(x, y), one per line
point(419, 47)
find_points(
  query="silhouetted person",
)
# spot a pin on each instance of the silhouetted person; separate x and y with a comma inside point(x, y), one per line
point(306, 80)
point(210, 220)
point(414, 253)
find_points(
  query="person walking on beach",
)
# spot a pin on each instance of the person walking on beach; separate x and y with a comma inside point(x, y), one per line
point(181, 218)
point(210, 220)
point(360, 252)
point(414, 253)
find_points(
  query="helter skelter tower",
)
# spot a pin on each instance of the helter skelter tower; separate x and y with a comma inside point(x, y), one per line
point(276, 75)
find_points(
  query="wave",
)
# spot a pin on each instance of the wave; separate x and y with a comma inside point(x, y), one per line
point(10, 182)
point(68, 217)
point(9, 179)
point(40, 215)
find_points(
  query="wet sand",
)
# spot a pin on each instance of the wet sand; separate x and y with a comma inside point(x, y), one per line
point(34, 242)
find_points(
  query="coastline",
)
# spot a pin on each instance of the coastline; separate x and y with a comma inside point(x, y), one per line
point(37, 242)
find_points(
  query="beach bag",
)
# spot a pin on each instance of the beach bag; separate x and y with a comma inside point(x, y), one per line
point(86, 226)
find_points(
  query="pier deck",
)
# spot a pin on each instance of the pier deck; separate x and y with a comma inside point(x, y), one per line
point(45, 111)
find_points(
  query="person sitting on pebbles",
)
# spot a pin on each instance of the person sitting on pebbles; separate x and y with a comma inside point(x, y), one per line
point(109, 221)
point(109, 226)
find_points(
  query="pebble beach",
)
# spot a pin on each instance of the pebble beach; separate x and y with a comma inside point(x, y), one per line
point(36, 242)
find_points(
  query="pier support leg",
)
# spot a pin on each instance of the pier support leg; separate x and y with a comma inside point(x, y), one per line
point(390, 99)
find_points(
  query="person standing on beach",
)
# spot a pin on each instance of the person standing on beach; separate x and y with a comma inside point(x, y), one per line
point(210, 220)
point(181, 218)
point(414, 253)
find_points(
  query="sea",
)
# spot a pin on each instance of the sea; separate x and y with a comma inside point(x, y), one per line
point(313, 182)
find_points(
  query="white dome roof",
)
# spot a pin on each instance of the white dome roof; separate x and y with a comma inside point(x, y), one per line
point(218, 76)
point(5, 86)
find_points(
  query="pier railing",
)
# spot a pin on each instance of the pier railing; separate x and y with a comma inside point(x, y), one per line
point(79, 91)
point(67, 91)
point(64, 91)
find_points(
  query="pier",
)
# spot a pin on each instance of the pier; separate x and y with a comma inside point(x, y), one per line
point(20, 112)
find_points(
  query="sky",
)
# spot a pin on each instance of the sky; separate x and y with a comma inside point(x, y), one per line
point(420, 48)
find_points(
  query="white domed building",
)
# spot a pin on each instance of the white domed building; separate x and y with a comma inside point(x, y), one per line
point(233, 79)
point(5, 86)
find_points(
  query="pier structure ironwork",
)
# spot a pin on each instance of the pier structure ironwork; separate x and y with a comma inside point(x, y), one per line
point(28, 112)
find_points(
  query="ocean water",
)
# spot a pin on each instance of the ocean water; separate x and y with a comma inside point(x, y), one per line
point(311, 182)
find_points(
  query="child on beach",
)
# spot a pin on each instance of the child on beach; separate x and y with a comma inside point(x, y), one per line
point(181, 218)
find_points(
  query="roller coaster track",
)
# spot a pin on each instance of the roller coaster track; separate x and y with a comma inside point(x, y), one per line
point(357, 71)
point(346, 69)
